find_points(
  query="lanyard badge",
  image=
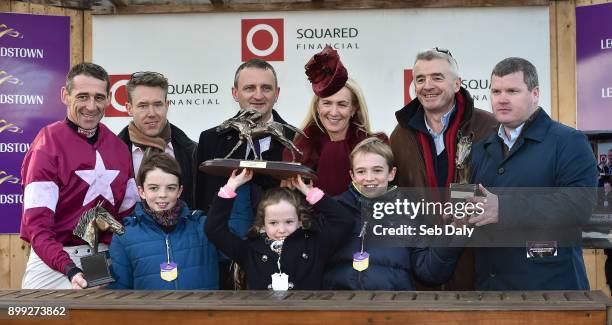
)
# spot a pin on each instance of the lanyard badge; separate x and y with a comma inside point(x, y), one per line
point(280, 280)
point(169, 271)
point(361, 259)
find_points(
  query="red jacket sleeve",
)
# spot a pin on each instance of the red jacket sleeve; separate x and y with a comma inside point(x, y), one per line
point(41, 192)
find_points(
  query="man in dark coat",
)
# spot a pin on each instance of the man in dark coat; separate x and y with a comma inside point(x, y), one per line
point(255, 86)
point(529, 151)
point(425, 140)
point(150, 130)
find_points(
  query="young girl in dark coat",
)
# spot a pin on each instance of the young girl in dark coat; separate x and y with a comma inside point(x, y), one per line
point(283, 250)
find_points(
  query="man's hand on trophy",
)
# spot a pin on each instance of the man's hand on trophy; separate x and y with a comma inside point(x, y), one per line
point(302, 186)
point(238, 179)
point(490, 207)
point(78, 281)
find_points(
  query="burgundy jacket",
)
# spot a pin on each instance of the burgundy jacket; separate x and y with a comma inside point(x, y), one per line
point(329, 159)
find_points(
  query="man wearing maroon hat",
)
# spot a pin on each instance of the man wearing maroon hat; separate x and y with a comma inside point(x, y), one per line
point(425, 140)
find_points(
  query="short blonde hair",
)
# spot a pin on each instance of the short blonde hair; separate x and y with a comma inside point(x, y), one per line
point(376, 146)
point(361, 119)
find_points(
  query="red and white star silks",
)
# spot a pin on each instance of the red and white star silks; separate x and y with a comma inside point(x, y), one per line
point(99, 180)
point(63, 176)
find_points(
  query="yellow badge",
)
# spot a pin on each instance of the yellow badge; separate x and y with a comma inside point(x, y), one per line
point(361, 261)
point(169, 271)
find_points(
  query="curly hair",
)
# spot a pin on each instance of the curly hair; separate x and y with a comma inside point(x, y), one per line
point(274, 196)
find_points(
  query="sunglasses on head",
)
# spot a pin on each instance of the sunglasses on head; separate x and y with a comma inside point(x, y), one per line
point(445, 51)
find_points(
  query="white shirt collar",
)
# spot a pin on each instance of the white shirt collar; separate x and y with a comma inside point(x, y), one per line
point(445, 119)
point(514, 134)
point(439, 137)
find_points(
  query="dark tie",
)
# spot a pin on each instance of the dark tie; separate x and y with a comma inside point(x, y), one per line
point(257, 148)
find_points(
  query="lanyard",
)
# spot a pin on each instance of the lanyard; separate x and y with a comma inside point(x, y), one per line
point(362, 234)
point(277, 247)
point(167, 249)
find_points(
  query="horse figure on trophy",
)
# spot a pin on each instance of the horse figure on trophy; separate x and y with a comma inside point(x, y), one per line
point(249, 128)
point(464, 149)
point(94, 219)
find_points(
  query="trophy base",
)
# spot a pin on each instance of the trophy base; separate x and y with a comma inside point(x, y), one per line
point(96, 271)
point(462, 191)
point(277, 169)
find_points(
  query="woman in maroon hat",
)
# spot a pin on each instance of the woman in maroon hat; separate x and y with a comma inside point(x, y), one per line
point(337, 121)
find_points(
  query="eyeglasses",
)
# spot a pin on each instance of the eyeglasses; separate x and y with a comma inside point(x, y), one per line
point(445, 51)
point(146, 73)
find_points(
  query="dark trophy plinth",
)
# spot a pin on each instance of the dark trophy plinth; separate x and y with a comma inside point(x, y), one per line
point(462, 192)
point(250, 130)
point(96, 270)
point(277, 169)
point(96, 266)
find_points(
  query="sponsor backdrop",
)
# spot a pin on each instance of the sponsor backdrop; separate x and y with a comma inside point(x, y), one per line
point(200, 52)
point(593, 67)
point(34, 59)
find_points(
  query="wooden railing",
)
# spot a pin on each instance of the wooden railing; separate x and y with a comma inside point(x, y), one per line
point(106, 307)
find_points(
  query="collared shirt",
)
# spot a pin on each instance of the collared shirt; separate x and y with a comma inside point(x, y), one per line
point(138, 154)
point(514, 134)
point(439, 137)
point(264, 143)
